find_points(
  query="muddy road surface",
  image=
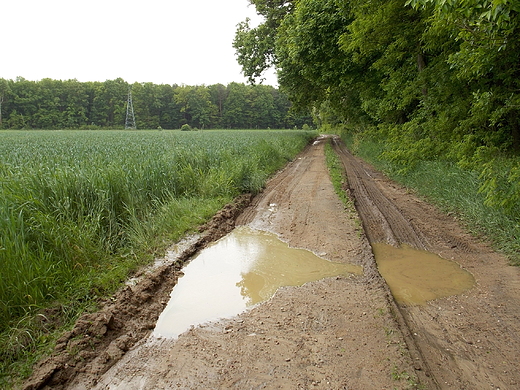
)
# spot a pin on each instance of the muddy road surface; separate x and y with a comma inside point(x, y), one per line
point(342, 332)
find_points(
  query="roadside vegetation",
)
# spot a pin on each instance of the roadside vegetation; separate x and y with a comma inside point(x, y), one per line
point(451, 187)
point(80, 210)
point(429, 88)
point(338, 177)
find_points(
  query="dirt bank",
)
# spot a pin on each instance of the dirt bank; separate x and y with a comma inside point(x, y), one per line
point(337, 333)
point(99, 340)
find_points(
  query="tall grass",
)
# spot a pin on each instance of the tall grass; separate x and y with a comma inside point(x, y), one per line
point(80, 209)
point(453, 189)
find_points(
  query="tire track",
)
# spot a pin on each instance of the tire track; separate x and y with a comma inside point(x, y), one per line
point(335, 333)
point(382, 220)
point(464, 341)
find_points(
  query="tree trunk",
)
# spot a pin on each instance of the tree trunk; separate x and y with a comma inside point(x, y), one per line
point(421, 64)
point(515, 132)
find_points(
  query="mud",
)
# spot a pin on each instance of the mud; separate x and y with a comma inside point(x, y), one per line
point(344, 332)
point(240, 270)
point(416, 276)
point(99, 340)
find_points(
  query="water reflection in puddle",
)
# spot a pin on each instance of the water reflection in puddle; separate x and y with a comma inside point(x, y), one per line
point(243, 268)
point(415, 276)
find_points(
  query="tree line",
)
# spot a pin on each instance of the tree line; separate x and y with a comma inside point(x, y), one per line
point(439, 69)
point(70, 104)
point(433, 78)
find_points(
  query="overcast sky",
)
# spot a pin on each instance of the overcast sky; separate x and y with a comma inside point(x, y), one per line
point(160, 41)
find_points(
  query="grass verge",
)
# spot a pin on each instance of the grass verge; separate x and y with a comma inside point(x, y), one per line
point(33, 336)
point(339, 181)
point(337, 176)
point(453, 190)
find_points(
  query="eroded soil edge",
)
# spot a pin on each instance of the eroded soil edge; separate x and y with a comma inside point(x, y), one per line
point(336, 333)
point(100, 339)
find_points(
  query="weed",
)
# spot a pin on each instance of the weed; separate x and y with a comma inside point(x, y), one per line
point(339, 179)
point(410, 380)
point(388, 332)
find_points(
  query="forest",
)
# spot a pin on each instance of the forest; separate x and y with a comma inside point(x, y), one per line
point(428, 79)
point(70, 104)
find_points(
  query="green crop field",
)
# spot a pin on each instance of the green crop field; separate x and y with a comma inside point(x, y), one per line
point(80, 209)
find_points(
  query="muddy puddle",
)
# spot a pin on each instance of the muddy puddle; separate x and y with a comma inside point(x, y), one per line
point(240, 270)
point(416, 276)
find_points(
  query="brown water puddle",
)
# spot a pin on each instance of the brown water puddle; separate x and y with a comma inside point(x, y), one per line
point(240, 270)
point(415, 276)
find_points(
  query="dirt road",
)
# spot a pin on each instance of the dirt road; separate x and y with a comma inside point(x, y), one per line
point(469, 341)
point(338, 333)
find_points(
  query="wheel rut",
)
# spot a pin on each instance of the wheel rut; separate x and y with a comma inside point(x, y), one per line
point(382, 219)
point(462, 341)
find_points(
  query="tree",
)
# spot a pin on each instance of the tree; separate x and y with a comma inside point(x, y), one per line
point(485, 57)
point(255, 47)
point(384, 41)
point(218, 95)
point(236, 114)
point(70, 104)
point(4, 92)
point(195, 105)
point(74, 104)
point(262, 106)
point(108, 106)
point(148, 105)
point(25, 102)
point(311, 64)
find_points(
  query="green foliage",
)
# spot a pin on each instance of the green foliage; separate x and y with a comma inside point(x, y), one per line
point(308, 54)
point(383, 39)
point(254, 49)
point(501, 184)
point(57, 104)
point(437, 79)
point(338, 177)
point(456, 190)
point(255, 46)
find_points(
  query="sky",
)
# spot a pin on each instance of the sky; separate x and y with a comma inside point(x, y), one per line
point(161, 41)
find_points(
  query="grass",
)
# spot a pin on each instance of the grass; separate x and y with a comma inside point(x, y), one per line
point(454, 190)
point(403, 376)
point(339, 181)
point(338, 177)
point(80, 210)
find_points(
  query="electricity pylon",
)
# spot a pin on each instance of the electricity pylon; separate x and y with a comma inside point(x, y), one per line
point(130, 117)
